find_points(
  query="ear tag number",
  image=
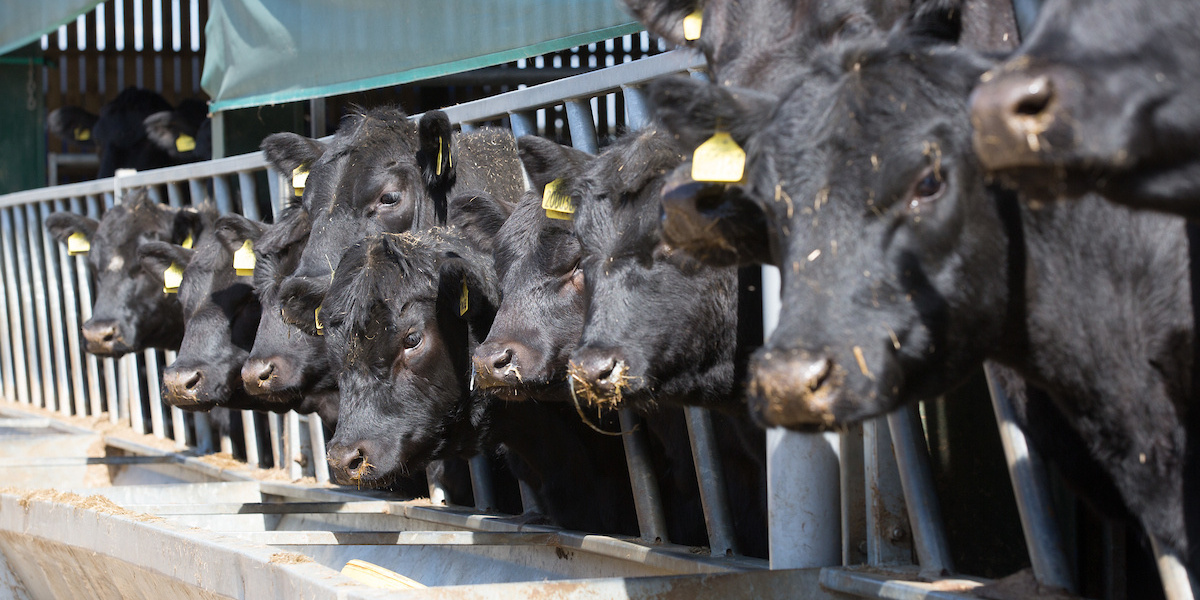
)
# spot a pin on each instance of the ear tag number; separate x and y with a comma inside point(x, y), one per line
point(317, 319)
point(244, 259)
point(463, 305)
point(692, 25)
point(187, 241)
point(720, 159)
point(557, 204)
point(172, 277)
point(299, 178)
point(82, 135)
point(185, 143)
point(78, 244)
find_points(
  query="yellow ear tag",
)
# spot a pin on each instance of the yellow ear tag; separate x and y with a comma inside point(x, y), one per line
point(463, 306)
point(78, 244)
point(185, 143)
point(244, 259)
point(719, 159)
point(438, 170)
point(82, 135)
point(187, 241)
point(299, 178)
point(317, 319)
point(557, 204)
point(692, 25)
point(172, 277)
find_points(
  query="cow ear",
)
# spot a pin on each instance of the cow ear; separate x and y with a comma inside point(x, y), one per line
point(545, 161)
point(164, 131)
point(299, 299)
point(936, 20)
point(186, 223)
point(694, 110)
point(72, 123)
point(664, 18)
point(233, 230)
point(468, 283)
point(292, 227)
point(287, 151)
point(478, 217)
point(434, 155)
point(63, 225)
point(157, 257)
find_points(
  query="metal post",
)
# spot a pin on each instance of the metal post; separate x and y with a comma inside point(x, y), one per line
point(249, 191)
point(222, 193)
point(637, 114)
point(647, 500)
point(583, 129)
point(281, 191)
point(306, 446)
point(70, 314)
point(37, 271)
point(888, 537)
point(529, 501)
point(481, 483)
point(198, 191)
point(250, 437)
point(154, 394)
point(204, 444)
point(12, 289)
point(710, 474)
point(294, 455)
point(1030, 487)
point(316, 431)
point(437, 491)
point(178, 422)
point(803, 485)
point(854, 496)
point(24, 277)
point(7, 385)
point(133, 393)
point(276, 433)
point(174, 194)
point(317, 117)
point(1177, 584)
point(924, 511)
point(54, 281)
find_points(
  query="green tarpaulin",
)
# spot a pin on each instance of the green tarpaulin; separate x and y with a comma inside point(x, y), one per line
point(270, 51)
point(24, 21)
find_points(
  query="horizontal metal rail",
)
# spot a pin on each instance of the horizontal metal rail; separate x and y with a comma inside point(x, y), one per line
point(397, 538)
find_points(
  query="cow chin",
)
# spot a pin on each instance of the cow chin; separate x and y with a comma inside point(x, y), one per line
point(805, 392)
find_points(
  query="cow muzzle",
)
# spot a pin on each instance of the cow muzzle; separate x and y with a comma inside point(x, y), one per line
point(1011, 114)
point(104, 338)
point(793, 389)
point(600, 377)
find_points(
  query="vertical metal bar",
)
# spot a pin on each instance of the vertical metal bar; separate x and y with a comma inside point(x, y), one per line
point(710, 474)
point(249, 190)
point(1177, 584)
point(529, 501)
point(1032, 491)
point(316, 431)
point(887, 522)
point(70, 314)
point(306, 446)
point(8, 387)
point(854, 496)
point(178, 421)
point(647, 500)
point(583, 129)
point(198, 191)
point(222, 193)
point(37, 277)
point(522, 123)
point(924, 511)
point(218, 135)
point(133, 393)
point(250, 436)
point(107, 365)
point(481, 482)
point(294, 457)
point(803, 469)
point(468, 126)
point(28, 327)
point(316, 112)
point(155, 195)
point(204, 434)
point(637, 114)
point(226, 441)
point(174, 194)
point(154, 394)
point(83, 283)
point(54, 281)
point(13, 290)
point(276, 433)
point(280, 190)
point(437, 491)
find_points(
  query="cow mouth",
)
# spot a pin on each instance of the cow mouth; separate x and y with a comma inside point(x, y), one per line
point(606, 391)
point(802, 397)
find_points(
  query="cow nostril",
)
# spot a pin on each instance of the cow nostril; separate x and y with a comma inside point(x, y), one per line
point(502, 359)
point(603, 368)
point(816, 373)
point(109, 334)
point(265, 372)
point(193, 380)
point(1033, 100)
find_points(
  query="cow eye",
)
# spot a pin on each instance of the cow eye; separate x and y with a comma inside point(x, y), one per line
point(929, 186)
point(412, 340)
point(390, 198)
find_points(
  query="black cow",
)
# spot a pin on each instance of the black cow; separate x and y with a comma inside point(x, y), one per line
point(119, 132)
point(221, 313)
point(131, 312)
point(1101, 97)
point(384, 173)
point(902, 270)
point(185, 133)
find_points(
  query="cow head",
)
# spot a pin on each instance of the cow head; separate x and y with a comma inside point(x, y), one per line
point(220, 311)
point(131, 312)
point(401, 319)
point(1101, 97)
point(184, 133)
point(381, 173)
point(540, 317)
point(891, 250)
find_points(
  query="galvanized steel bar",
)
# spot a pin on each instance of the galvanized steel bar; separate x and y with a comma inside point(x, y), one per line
point(223, 195)
point(710, 474)
point(924, 511)
point(204, 433)
point(178, 422)
point(248, 188)
point(226, 442)
point(54, 280)
point(294, 457)
point(20, 374)
point(280, 190)
point(437, 491)
point(306, 451)
point(83, 286)
point(1177, 585)
point(359, 507)
point(522, 123)
point(154, 194)
point(154, 394)
point(276, 432)
point(637, 113)
point(316, 432)
point(529, 501)
point(888, 537)
point(853, 496)
point(583, 129)
point(250, 437)
point(28, 327)
point(174, 194)
point(397, 538)
point(198, 191)
point(647, 500)
point(481, 482)
point(40, 299)
point(1032, 491)
point(7, 384)
point(70, 314)
point(133, 393)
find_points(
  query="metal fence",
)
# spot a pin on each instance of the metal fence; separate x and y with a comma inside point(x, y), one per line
point(829, 494)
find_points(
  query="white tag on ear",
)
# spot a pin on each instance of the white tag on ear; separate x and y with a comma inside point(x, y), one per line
point(187, 241)
point(692, 24)
point(299, 178)
point(172, 278)
point(557, 204)
point(185, 143)
point(244, 259)
point(78, 244)
point(720, 159)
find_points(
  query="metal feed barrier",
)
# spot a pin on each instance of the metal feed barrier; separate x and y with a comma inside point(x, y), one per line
point(828, 493)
